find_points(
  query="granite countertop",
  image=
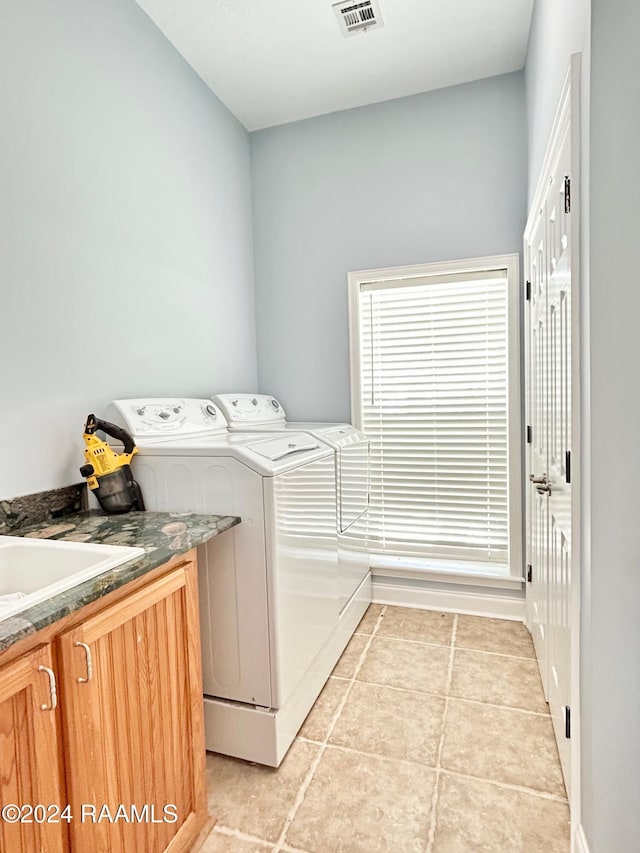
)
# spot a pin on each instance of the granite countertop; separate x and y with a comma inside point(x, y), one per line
point(163, 535)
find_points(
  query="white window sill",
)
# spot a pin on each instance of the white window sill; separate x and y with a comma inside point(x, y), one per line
point(470, 574)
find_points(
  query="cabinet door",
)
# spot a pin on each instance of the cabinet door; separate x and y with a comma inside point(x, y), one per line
point(30, 764)
point(133, 721)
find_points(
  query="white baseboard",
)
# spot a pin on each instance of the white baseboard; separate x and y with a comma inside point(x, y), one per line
point(580, 841)
point(429, 597)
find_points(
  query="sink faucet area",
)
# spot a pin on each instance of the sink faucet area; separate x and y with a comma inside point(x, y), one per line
point(33, 570)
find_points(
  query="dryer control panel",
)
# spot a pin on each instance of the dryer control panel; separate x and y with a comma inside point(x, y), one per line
point(244, 411)
point(167, 417)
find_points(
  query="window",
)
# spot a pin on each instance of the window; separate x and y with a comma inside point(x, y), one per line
point(435, 385)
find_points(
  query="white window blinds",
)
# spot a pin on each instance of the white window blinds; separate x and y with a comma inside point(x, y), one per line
point(434, 402)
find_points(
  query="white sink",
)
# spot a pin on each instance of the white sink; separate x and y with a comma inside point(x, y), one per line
point(41, 568)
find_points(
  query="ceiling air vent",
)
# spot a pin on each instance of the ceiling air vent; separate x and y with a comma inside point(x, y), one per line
point(357, 17)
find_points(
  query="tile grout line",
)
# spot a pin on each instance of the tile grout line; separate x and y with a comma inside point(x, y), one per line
point(497, 707)
point(351, 749)
point(545, 795)
point(280, 844)
point(287, 848)
point(455, 698)
point(228, 832)
point(448, 645)
point(494, 654)
point(436, 787)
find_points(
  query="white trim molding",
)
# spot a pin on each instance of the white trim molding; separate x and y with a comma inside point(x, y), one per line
point(426, 596)
point(580, 841)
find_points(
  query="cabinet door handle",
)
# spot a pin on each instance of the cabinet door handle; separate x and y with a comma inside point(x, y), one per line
point(52, 689)
point(87, 652)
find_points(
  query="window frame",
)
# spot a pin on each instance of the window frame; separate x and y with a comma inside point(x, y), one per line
point(511, 264)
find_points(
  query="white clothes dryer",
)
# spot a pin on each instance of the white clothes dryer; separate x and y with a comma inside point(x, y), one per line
point(270, 615)
point(259, 412)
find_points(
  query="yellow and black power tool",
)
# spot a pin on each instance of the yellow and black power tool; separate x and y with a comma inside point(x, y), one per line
point(109, 473)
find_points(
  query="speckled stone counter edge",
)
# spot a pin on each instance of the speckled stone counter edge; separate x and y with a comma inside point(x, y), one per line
point(163, 535)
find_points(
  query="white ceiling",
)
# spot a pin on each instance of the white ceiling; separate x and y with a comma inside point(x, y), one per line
point(275, 61)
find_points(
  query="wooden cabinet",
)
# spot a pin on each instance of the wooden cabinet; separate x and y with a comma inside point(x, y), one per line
point(127, 677)
point(131, 721)
point(29, 752)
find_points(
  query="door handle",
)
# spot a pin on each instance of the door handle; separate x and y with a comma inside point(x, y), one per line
point(87, 652)
point(543, 488)
point(52, 689)
point(542, 479)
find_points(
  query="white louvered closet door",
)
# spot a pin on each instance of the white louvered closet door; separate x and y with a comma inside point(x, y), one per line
point(434, 402)
point(559, 466)
point(538, 406)
point(551, 252)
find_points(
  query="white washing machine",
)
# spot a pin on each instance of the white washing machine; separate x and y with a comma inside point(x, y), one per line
point(259, 412)
point(272, 626)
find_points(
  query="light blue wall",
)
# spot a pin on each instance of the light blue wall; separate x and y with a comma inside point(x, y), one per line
point(125, 230)
point(438, 176)
point(612, 693)
point(558, 29)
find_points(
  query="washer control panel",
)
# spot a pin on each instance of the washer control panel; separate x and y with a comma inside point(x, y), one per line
point(164, 417)
point(245, 410)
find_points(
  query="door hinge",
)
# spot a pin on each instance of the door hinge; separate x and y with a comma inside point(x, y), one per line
point(567, 194)
point(567, 722)
point(529, 434)
point(529, 573)
point(527, 291)
point(567, 466)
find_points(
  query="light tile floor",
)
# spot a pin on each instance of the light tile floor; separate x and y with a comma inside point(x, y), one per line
point(431, 736)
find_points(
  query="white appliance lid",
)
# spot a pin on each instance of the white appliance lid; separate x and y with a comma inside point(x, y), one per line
point(337, 435)
point(168, 418)
point(274, 449)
